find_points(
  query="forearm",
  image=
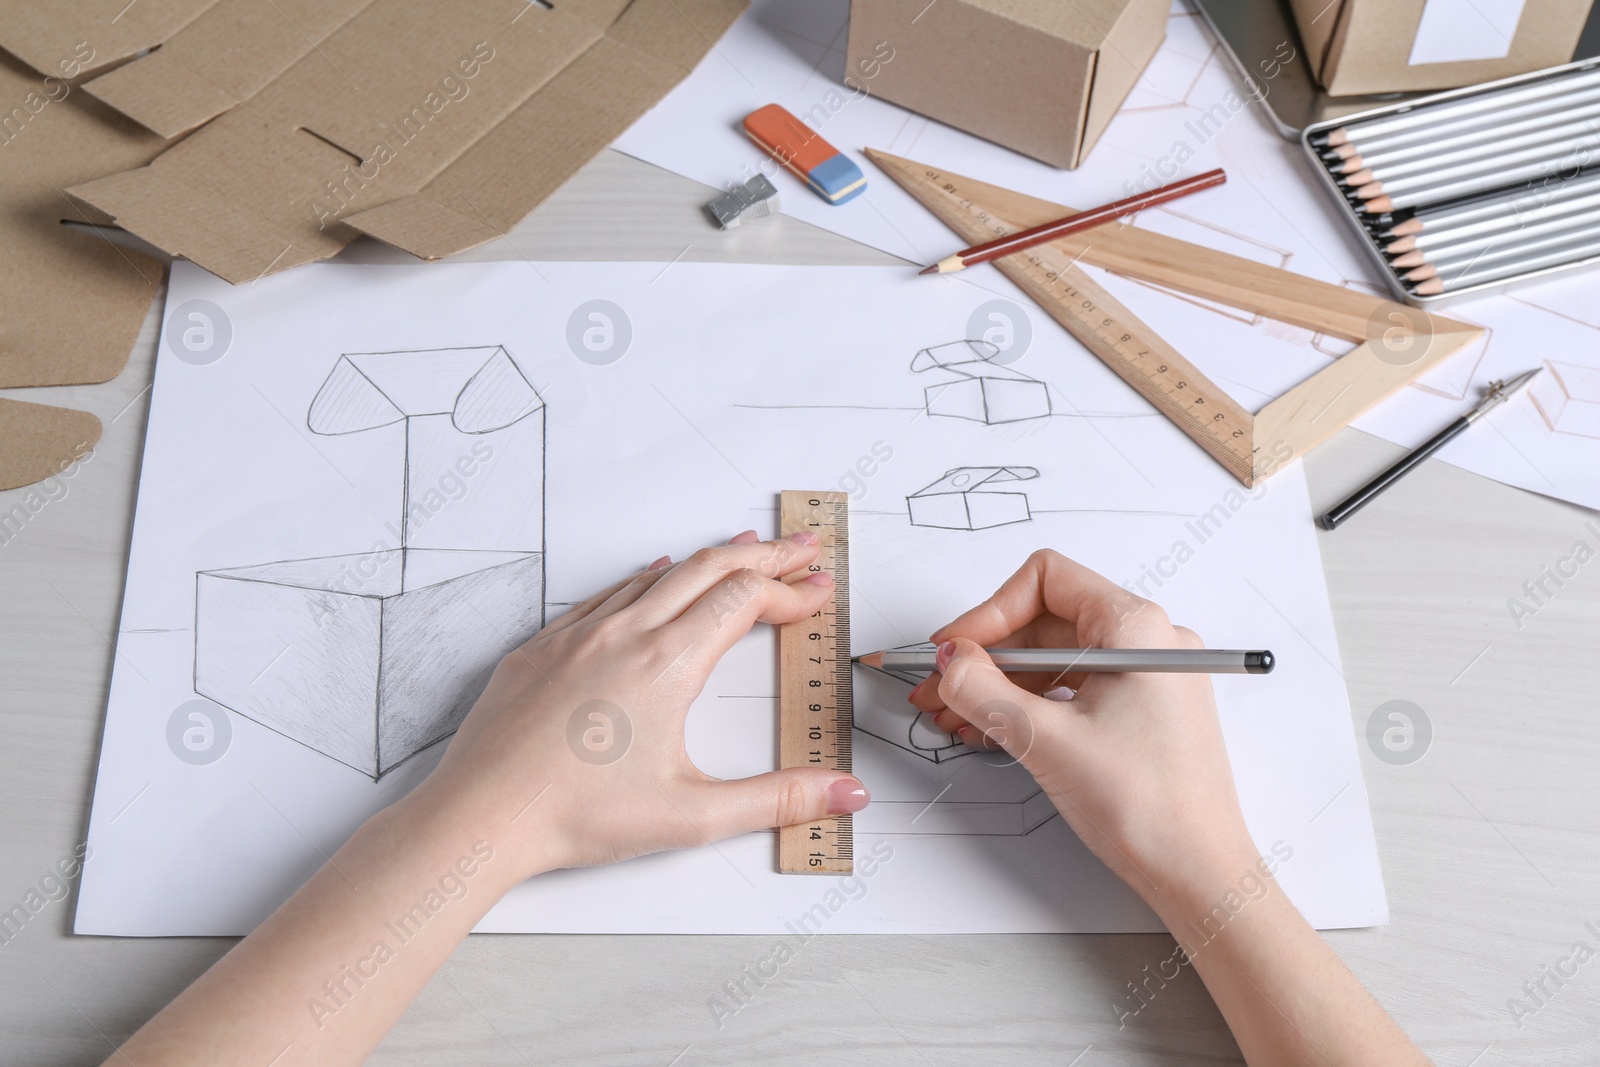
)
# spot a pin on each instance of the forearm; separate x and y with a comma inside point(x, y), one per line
point(324, 978)
point(1285, 994)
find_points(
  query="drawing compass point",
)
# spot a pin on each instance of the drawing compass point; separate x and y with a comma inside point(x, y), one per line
point(1499, 391)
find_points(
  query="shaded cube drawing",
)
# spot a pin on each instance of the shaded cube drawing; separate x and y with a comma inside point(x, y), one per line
point(373, 676)
point(972, 498)
point(1567, 396)
point(368, 657)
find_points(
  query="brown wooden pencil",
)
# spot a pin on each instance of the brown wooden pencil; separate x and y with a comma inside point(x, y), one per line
point(1083, 220)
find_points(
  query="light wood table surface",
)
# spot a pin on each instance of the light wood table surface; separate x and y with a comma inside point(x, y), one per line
point(1490, 843)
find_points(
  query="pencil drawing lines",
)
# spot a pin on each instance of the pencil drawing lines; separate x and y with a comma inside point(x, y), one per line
point(959, 818)
point(972, 498)
point(977, 388)
point(930, 786)
point(1567, 397)
point(1171, 83)
point(369, 657)
point(1574, 303)
point(1198, 231)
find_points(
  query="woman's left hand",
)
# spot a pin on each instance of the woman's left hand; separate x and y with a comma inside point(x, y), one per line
point(574, 754)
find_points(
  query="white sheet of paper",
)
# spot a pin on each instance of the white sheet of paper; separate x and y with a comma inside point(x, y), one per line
point(1454, 31)
point(736, 381)
point(1187, 114)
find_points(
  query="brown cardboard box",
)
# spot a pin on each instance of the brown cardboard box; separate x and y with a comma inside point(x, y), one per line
point(1383, 46)
point(223, 57)
point(1042, 77)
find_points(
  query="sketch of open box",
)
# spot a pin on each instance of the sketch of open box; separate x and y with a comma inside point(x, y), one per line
point(936, 784)
point(973, 498)
point(370, 657)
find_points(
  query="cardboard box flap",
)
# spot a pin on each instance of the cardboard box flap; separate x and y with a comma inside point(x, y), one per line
point(268, 184)
point(219, 60)
point(399, 57)
point(1130, 44)
point(177, 209)
point(588, 105)
point(37, 440)
point(1318, 23)
point(479, 388)
point(1084, 22)
point(46, 33)
point(680, 33)
point(71, 302)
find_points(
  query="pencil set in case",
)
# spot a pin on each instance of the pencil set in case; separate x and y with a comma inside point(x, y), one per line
point(1474, 190)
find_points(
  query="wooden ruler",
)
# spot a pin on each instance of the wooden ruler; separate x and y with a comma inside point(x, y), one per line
point(1116, 336)
point(1250, 446)
point(815, 709)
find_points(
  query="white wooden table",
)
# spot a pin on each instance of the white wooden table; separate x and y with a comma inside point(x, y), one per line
point(1490, 843)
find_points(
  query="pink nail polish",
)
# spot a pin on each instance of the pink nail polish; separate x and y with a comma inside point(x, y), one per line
point(911, 697)
point(846, 797)
point(820, 578)
point(947, 652)
point(748, 537)
point(804, 537)
point(658, 564)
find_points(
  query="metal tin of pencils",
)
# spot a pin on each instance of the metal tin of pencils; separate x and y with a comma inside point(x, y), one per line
point(1540, 197)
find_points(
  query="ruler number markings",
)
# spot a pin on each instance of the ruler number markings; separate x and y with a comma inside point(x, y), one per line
point(815, 711)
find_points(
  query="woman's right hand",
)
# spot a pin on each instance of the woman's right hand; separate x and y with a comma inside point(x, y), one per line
point(1135, 763)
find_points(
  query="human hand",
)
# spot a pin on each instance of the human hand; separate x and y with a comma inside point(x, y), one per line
point(1135, 763)
point(574, 754)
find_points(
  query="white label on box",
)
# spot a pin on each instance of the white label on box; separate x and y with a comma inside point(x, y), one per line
point(1455, 30)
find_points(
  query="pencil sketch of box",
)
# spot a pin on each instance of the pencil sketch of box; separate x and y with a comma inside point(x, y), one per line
point(1567, 396)
point(371, 656)
point(972, 498)
point(981, 389)
point(931, 782)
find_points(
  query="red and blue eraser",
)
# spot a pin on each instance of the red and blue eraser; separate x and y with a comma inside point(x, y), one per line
point(830, 173)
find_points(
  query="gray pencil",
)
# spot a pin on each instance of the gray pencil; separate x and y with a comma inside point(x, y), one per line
point(1505, 152)
point(1480, 274)
point(1540, 109)
point(1515, 245)
point(1514, 200)
point(1472, 104)
point(1509, 219)
point(1479, 183)
point(1488, 139)
point(1091, 660)
point(1554, 153)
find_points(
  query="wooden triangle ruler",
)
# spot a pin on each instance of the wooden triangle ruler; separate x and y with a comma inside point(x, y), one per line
point(1396, 343)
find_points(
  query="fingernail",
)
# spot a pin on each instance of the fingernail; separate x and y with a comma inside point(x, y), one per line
point(820, 578)
point(846, 797)
point(947, 652)
point(804, 537)
point(911, 697)
point(749, 537)
point(658, 564)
